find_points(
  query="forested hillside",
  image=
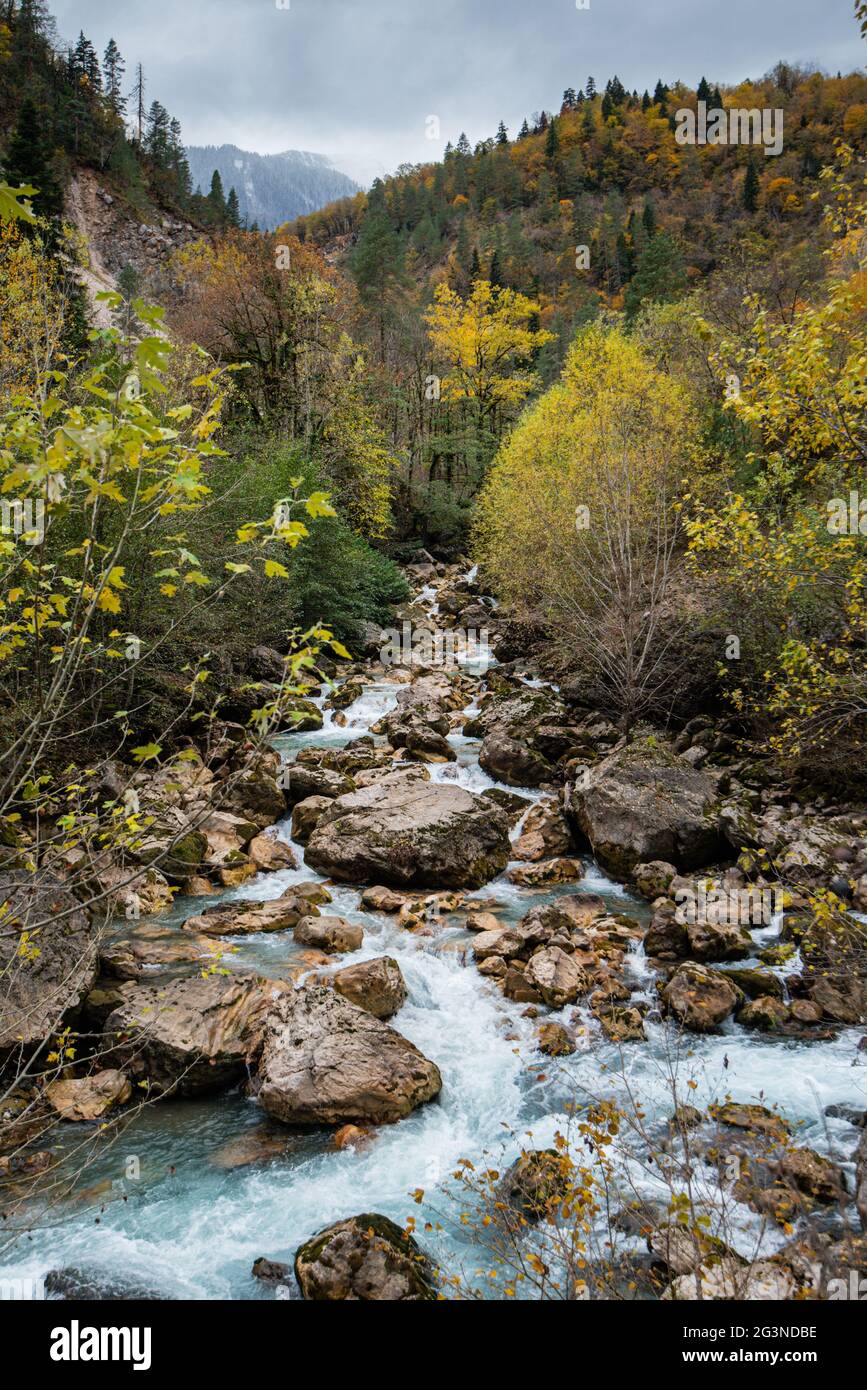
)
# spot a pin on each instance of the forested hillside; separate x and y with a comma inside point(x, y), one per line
point(587, 210)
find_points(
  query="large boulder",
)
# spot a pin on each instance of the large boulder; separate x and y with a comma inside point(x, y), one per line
point(406, 832)
point(366, 1258)
point(326, 1062)
point(644, 803)
point(377, 986)
point(48, 959)
point(190, 1036)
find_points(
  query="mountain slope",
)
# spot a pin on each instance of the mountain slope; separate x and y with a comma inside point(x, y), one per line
point(271, 188)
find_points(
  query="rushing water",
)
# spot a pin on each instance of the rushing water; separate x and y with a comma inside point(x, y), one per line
point(189, 1226)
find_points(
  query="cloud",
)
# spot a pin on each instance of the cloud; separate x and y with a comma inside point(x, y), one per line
point(358, 78)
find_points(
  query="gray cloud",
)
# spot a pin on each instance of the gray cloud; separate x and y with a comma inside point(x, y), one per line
point(357, 78)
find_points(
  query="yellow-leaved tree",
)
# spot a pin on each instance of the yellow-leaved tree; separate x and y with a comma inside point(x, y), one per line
point(486, 344)
point(578, 523)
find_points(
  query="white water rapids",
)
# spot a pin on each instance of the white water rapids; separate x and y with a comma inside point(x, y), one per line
point(187, 1227)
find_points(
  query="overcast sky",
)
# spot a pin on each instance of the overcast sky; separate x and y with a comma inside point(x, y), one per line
point(357, 79)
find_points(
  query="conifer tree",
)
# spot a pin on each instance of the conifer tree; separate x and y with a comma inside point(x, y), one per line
point(113, 69)
point(233, 209)
point(217, 198)
point(590, 88)
point(27, 162)
point(502, 134)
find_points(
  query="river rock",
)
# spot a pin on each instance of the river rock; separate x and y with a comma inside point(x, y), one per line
point(699, 998)
point(245, 917)
point(555, 1040)
point(556, 975)
point(302, 780)
point(405, 832)
point(766, 1013)
point(189, 1036)
point(306, 815)
point(331, 934)
point(653, 880)
point(376, 986)
point(90, 1097)
point(644, 803)
point(536, 1184)
point(365, 1258)
point(48, 959)
point(270, 854)
point(327, 1062)
point(382, 899)
point(715, 941)
point(508, 760)
point(547, 871)
point(544, 835)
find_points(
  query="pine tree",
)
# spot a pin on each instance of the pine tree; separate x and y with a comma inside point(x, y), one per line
point(569, 100)
point(703, 90)
point(495, 274)
point(607, 106)
point(590, 88)
point(648, 218)
point(113, 69)
point(502, 134)
point(524, 131)
point(233, 209)
point(645, 101)
point(463, 145)
point(552, 143)
point(660, 94)
point(158, 136)
point(217, 199)
point(27, 162)
point(716, 99)
point(751, 186)
point(475, 266)
point(85, 64)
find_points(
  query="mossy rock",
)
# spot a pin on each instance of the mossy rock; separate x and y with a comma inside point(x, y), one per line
point(365, 1258)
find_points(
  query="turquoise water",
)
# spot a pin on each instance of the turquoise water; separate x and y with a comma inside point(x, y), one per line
point(190, 1227)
